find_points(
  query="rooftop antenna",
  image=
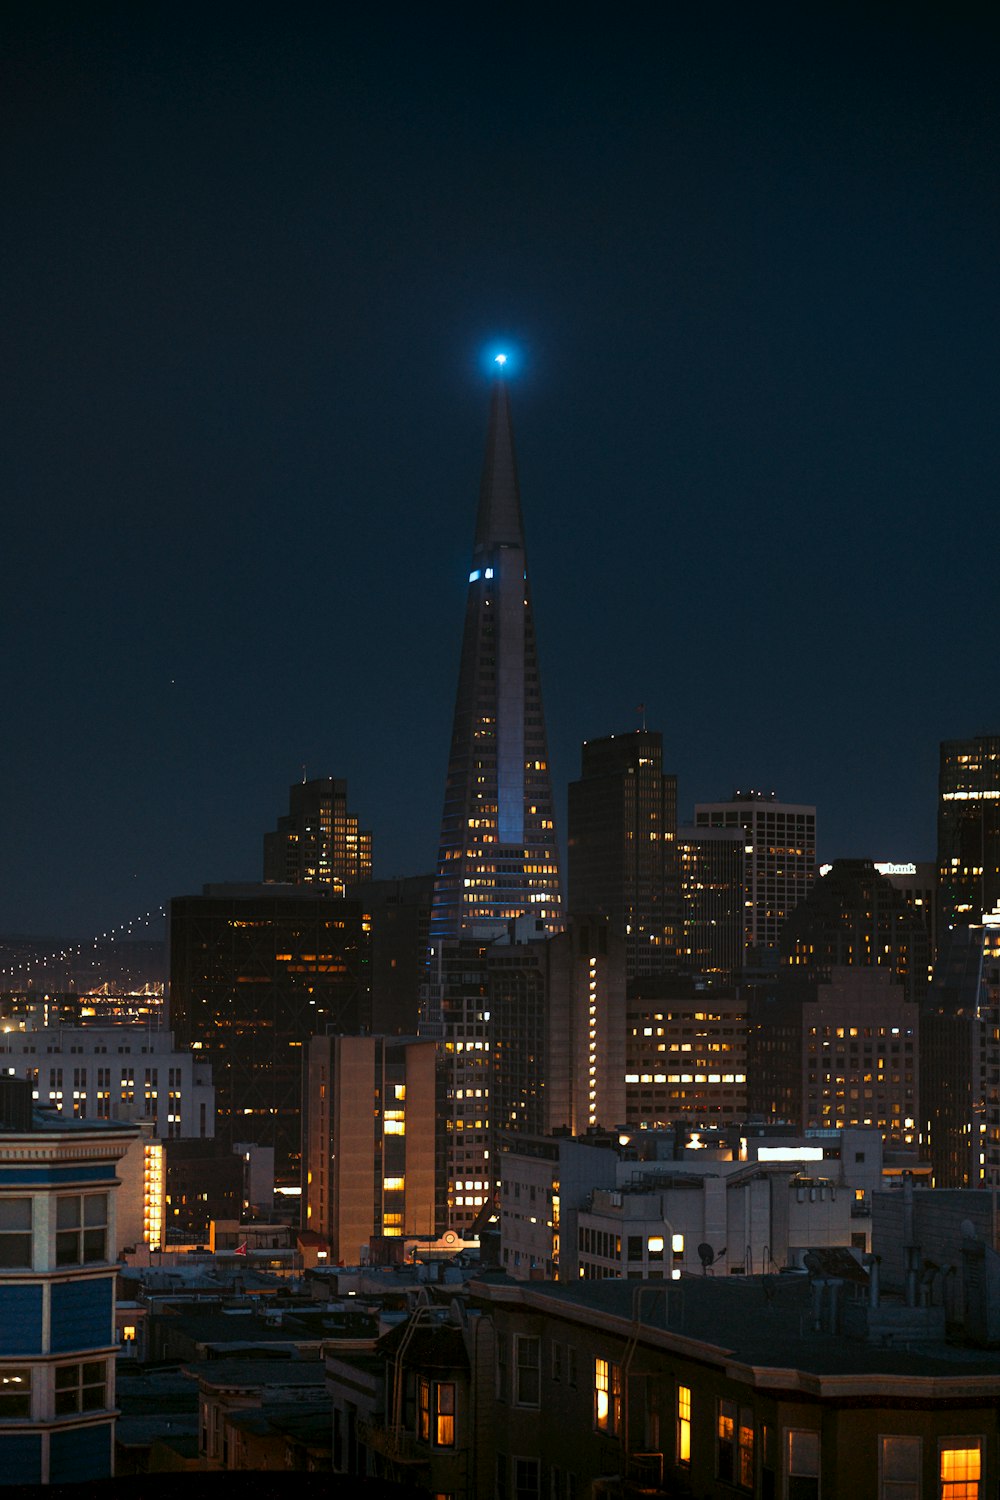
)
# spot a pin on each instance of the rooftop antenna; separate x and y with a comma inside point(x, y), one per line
point(641, 711)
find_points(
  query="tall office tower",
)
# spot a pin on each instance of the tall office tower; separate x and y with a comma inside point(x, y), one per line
point(960, 1059)
point(622, 830)
point(968, 851)
point(497, 859)
point(255, 971)
point(834, 1039)
point(781, 860)
point(318, 842)
point(399, 914)
point(557, 1011)
point(711, 869)
point(368, 1141)
point(917, 882)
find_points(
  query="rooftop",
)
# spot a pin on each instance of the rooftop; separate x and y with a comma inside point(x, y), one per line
point(763, 1321)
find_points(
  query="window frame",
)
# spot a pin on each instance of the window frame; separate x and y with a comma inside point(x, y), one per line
point(682, 1436)
point(961, 1443)
point(799, 1491)
point(70, 1396)
point(607, 1383)
point(17, 1238)
point(527, 1374)
point(76, 1243)
point(19, 1376)
point(890, 1488)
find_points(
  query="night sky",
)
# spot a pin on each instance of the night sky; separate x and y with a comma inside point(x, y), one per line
point(745, 260)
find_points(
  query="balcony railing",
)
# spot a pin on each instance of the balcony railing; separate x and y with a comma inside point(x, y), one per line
point(395, 1443)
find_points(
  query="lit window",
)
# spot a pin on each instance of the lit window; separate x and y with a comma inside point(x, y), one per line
point(15, 1393)
point(424, 1409)
point(607, 1396)
point(444, 1414)
point(683, 1424)
point(735, 1445)
point(961, 1468)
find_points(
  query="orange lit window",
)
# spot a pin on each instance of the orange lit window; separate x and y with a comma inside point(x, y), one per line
point(961, 1468)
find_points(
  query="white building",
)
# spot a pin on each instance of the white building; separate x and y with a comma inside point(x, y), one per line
point(752, 1218)
point(114, 1073)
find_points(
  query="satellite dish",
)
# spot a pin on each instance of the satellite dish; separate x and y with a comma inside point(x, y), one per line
point(706, 1255)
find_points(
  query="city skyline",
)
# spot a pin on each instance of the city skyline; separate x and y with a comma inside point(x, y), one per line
point(747, 284)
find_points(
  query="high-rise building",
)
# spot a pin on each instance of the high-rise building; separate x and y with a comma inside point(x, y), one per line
point(255, 971)
point(834, 1040)
point(781, 860)
point(498, 857)
point(711, 877)
point(318, 842)
point(399, 914)
point(369, 1153)
point(557, 1010)
point(968, 844)
point(621, 853)
point(960, 1059)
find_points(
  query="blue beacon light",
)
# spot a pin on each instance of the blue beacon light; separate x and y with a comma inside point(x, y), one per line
point(501, 360)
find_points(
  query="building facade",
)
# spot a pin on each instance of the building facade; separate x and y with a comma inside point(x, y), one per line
point(255, 971)
point(621, 851)
point(115, 1073)
point(685, 1053)
point(370, 1160)
point(58, 1253)
point(834, 1040)
point(968, 831)
point(318, 842)
point(557, 1017)
point(711, 876)
point(780, 853)
point(960, 1059)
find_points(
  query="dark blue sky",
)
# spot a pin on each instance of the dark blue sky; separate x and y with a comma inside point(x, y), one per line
point(252, 261)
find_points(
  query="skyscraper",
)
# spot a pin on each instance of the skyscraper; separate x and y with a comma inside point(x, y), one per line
point(318, 842)
point(834, 1040)
point(497, 859)
point(711, 866)
point(960, 1058)
point(968, 831)
point(255, 971)
point(781, 860)
point(622, 828)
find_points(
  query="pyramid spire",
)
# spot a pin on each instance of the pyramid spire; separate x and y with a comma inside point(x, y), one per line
point(498, 520)
point(497, 858)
